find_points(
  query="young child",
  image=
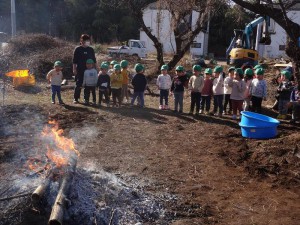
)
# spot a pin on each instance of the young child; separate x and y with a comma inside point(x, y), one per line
point(195, 85)
point(55, 78)
point(218, 90)
point(258, 90)
point(111, 67)
point(116, 82)
point(284, 90)
point(248, 79)
point(125, 74)
point(178, 84)
point(206, 92)
point(139, 83)
point(238, 86)
point(90, 79)
point(295, 104)
point(164, 83)
point(103, 84)
point(227, 91)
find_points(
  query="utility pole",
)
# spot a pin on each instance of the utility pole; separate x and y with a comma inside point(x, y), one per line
point(13, 18)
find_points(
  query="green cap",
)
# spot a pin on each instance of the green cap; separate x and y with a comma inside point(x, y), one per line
point(117, 67)
point(257, 67)
point(89, 61)
point(197, 68)
point(124, 63)
point(179, 68)
point(218, 69)
point(239, 71)
point(104, 66)
point(164, 67)
point(286, 73)
point(58, 63)
point(248, 72)
point(208, 71)
point(114, 62)
point(231, 68)
point(259, 71)
point(139, 67)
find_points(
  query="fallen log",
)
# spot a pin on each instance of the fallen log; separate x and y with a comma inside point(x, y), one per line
point(40, 191)
point(57, 214)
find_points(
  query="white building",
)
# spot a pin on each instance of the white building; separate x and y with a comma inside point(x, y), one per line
point(278, 36)
point(158, 20)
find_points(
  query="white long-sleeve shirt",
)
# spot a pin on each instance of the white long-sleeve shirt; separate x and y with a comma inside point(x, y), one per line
point(196, 83)
point(218, 85)
point(238, 89)
point(227, 88)
point(258, 88)
point(90, 77)
point(164, 82)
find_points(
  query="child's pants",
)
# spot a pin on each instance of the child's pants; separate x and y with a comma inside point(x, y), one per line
point(87, 91)
point(237, 105)
point(178, 98)
point(195, 100)
point(226, 102)
point(247, 104)
point(163, 95)
point(282, 106)
point(218, 103)
point(125, 92)
point(140, 95)
point(256, 104)
point(116, 94)
point(296, 110)
point(56, 90)
point(205, 101)
point(104, 92)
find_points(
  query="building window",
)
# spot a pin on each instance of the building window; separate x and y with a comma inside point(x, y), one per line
point(281, 47)
point(196, 45)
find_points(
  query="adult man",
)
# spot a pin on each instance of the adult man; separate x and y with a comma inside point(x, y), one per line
point(81, 54)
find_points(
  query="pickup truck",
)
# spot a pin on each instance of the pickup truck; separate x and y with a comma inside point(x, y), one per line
point(134, 48)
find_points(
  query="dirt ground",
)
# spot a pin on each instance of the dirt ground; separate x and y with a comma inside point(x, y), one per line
point(216, 175)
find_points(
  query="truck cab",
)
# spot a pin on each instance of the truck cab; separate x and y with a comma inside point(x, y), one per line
point(134, 48)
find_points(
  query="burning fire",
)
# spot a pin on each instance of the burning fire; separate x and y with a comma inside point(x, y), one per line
point(59, 148)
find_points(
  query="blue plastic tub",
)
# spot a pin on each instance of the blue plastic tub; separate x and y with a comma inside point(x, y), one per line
point(258, 126)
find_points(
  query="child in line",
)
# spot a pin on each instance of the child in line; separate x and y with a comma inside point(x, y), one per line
point(177, 88)
point(55, 78)
point(103, 84)
point(258, 90)
point(111, 67)
point(206, 92)
point(238, 86)
point(125, 74)
point(116, 82)
point(284, 90)
point(195, 85)
point(248, 79)
point(164, 83)
point(227, 91)
point(139, 83)
point(295, 104)
point(218, 90)
point(90, 79)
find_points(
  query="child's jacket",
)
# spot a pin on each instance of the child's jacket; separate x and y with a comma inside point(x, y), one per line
point(116, 80)
point(139, 82)
point(103, 82)
point(196, 83)
point(90, 78)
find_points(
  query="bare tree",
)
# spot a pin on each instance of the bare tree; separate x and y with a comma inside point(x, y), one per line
point(182, 28)
point(278, 10)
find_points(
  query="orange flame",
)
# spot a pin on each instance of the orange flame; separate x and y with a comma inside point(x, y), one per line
point(60, 148)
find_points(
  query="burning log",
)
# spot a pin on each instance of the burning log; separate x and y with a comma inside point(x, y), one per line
point(40, 190)
point(57, 214)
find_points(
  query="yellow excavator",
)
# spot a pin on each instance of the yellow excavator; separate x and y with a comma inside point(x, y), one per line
point(240, 51)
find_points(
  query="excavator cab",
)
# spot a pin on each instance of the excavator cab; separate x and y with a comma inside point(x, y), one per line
point(239, 53)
